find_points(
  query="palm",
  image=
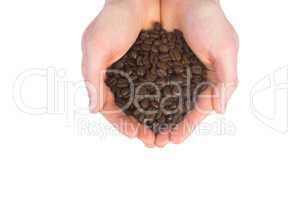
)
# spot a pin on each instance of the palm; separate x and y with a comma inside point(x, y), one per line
point(106, 40)
point(215, 42)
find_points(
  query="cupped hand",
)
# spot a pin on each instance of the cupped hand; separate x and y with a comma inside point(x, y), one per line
point(215, 42)
point(107, 39)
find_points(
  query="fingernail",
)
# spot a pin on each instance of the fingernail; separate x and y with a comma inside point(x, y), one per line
point(92, 108)
point(223, 108)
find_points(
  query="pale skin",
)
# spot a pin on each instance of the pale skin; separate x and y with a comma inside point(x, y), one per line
point(206, 30)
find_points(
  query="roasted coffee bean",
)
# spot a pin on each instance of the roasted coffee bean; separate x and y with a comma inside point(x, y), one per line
point(125, 92)
point(119, 65)
point(178, 69)
point(145, 103)
point(196, 69)
point(122, 83)
point(154, 49)
point(162, 72)
point(139, 61)
point(141, 71)
point(162, 65)
point(157, 43)
point(148, 41)
point(164, 57)
point(153, 59)
point(146, 61)
point(163, 48)
point(165, 40)
point(134, 54)
point(141, 118)
point(166, 78)
point(146, 47)
point(144, 35)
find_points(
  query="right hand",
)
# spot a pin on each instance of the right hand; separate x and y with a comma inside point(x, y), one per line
point(107, 39)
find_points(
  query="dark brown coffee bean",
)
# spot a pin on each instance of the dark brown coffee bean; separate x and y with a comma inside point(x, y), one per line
point(146, 47)
point(119, 65)
point(196, 69)
point(162, 72)
point(141, 118)
point(177, 55)
point(162, 65)
point(164, 57)
point(154, 49)
point(125, 92)
point(154, 35)
point(141, 71)
point(149, 41)
point(165, 41)
point(134, 54)
point(169, 71)
point(145, 103)
point(139, 61)
point(157, 43)
point(178, 69)
point(163, 48)
point(154, 59)
point(122, 83)
point(144, 35)
point(146, 60)
point(167, 91)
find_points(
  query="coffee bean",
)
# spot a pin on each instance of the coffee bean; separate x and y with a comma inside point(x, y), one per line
point(162, 65)
point(166, 77)
point(134, 54)
point(157, 43)
point(162, 72)
point(139, 61)
point(145, 103)
point(146, 60)
point(122, 83)
point(144, 35)
point(141, 118)
point(148, 41)
point(141, 71)
point(154, 59)
point(125, 92)
point(163, 48)
point(165, 40)
point(154, 35)
point(178, 69)
point(196, 69)
point(164, 57)
point(146, 47)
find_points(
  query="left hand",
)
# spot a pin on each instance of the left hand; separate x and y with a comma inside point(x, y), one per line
point(213, 39)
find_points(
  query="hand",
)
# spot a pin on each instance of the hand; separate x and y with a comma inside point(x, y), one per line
point(106, 40)
point(214, 41)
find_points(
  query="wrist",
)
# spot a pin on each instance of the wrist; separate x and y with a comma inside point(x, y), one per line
point(148, 11)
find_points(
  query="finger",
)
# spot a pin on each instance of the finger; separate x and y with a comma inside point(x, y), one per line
point(201, 110)
point(226, 75)
point(147, 137)
point(162, 139)
point(94, 79)
point(126, 125)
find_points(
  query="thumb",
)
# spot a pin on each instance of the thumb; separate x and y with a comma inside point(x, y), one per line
point(94, 76)
point(226, 80)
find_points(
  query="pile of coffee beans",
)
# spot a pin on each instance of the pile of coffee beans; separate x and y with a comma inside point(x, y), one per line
point(158, 80)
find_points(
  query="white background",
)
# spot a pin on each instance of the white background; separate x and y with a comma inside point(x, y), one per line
point(49, 156)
